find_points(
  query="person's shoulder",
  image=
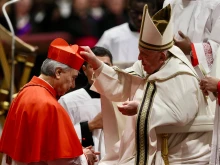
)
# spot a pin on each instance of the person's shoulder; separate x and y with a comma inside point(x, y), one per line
point(166, 2)
point(119, 33)
point(120, 28)
point(78, 94)
point(36, 93)
point(205, 3)
point(136, 69)
point(213, 4)
point(37, 99)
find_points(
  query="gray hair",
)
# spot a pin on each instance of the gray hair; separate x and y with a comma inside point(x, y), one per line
point(49, 66)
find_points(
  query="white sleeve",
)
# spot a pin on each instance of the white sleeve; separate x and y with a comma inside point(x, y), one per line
point(166, 2)
point(116, 84)
point(180, 108)
point(213, 39)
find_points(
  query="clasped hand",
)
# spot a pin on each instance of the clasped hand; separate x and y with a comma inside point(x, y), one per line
point(209, 84)
point(90, 155)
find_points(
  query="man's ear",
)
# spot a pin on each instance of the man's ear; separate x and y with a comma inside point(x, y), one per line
point(84, 69)
point(57, 73)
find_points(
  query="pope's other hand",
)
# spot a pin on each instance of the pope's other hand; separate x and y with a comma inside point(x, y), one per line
point(128, 108)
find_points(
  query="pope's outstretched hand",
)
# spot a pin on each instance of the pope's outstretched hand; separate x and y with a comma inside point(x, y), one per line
point(90, 57)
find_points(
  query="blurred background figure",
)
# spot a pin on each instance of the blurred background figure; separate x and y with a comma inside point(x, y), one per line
point(81, 25)
point(96, 9)
point(2, 18)
point(22, 17)
point(64, 7)
point(122, 40)
point(46, 16)
point(19, 14)
point(82, 22)
point(115, 14)
point(196, 30)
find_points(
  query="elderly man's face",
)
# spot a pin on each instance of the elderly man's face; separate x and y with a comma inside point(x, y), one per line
point(151, 60)
point(65, 80)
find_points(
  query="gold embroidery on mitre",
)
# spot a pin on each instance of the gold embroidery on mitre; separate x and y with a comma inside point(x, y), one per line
point(161, 26)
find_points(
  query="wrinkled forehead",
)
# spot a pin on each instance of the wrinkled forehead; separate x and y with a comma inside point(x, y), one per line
point(147, 51)
point(73, 72)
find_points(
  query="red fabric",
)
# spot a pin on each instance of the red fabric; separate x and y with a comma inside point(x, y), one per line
point(208, 54)
point(87, 41)
point(37, 128)
point(219, 92)
point(60, 51)
point(194, 58)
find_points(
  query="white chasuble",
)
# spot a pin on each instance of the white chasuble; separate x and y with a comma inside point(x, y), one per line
point(177, 100)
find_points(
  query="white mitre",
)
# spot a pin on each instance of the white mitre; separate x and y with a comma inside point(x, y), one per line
point(156, 32)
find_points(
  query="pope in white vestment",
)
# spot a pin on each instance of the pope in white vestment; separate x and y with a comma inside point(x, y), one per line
point(197, 19)
point(172, 97)
point(176, 99)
